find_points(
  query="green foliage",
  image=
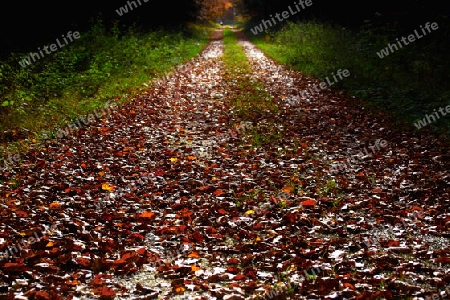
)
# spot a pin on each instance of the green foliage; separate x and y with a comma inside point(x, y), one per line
point(251, 101)
point(100, 66)
point(408, 83)
point(250, 97)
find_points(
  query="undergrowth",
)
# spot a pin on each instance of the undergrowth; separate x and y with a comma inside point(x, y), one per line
point(408, 84)
point(100, 67)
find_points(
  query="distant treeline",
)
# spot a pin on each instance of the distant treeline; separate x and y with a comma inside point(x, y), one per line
point(27, 24)
point(354, 13)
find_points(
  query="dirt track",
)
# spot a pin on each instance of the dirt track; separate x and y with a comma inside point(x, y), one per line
point(169, 192)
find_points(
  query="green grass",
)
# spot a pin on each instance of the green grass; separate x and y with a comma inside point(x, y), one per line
point(102, 66)
point(407, 84)
point(251, 101)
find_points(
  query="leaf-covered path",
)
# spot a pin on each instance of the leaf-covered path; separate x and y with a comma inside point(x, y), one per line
point(172, 195)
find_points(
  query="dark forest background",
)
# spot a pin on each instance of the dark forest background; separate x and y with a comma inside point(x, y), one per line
point(26, 25)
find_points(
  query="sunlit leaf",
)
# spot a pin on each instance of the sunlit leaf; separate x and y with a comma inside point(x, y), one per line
point(218, 193)
point(309, 202)
point(287, 189)
point(107, 187)
point(195, 268)
point(147, 214)
point(194, 254)
point(222, 211)
point(55, 205)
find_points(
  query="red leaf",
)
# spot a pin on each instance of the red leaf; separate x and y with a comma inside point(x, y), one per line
point(22, 214)
point(85, 262)
point(107, 293)
point(128, 256)
point(233, 270)
point(443, 260)
point(147, 215)
point(349, 285)
point(186, 213)
point(98, 280)
point(292, 217)
point(309, 203)
point(197, 237)
point(258, 226)
point(159, 173)
point(12, 267)
point(41, 295)
point(393, 243)
point(141, 251)
point(223, 211)
point(239, 277)
point(218, 193)
point(233, 260)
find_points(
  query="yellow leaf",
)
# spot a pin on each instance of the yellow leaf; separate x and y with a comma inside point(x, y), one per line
point(195, 268)
point(249, 212)
point(174, 159)
point(107, 187)
point(23, 234)
point(50, 244)
point(194, 254)
point(287, 189)
point(258, 239)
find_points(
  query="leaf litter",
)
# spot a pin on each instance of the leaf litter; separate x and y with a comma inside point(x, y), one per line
point(169, 198)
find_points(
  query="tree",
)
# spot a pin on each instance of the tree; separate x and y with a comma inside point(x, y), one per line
point(211, 10)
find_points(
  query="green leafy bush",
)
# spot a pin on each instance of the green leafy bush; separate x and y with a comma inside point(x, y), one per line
point(102, 64)
point(408, 83)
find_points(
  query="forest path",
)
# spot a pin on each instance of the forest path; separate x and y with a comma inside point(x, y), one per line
point(173, 195)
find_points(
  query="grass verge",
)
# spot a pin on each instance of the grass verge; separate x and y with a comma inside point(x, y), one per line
point(100, 67)
point(408, 84)
point(251, 102)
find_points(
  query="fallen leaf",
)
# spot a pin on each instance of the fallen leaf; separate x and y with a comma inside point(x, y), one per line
point(107, 187)
point(195, 268)
point(55, 205)
point(147, 214)
point(218, 193)
point(222, 211)
point(309, 202)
